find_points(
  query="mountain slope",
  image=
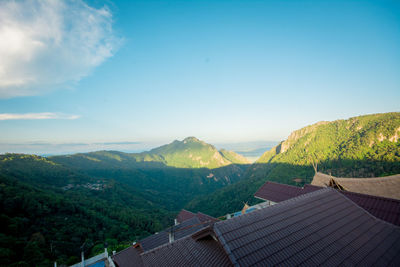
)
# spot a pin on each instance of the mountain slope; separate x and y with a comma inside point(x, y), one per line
point(233, 157)
point(363, 146)
point(48, 211)
point(194, 153)
point(51, 206)
point(189, 153)
point(180, 169)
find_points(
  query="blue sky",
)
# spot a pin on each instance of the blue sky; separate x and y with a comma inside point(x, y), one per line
point(223, 71)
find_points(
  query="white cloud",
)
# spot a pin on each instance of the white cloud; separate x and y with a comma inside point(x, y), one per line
point(37, 116)
point(46, 44)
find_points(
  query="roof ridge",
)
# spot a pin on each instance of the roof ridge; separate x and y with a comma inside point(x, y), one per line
point(284, 227)
point(131, 246)
point(175, 228)
point(370, 196)
point(364, 210)
point(273, 182)
point(394, 176)
point(277, 206)
point(225, 246)
point(172, 243)
point(187, 210)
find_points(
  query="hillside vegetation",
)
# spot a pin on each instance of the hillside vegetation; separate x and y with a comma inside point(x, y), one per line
point(194, 153)
point(48, 212)
point(363, 146)
point(51, 206)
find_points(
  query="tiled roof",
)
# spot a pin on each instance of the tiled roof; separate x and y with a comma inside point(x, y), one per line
point(181, 230)
point(386, 209)
point(184, 215)
point(188, 252)
point(382, 186)
point(206, 218)
point(128, 257)
point(323, 227)
point(279, 192)
point(319, 228)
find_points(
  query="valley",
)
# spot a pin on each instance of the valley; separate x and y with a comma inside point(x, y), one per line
point(51, 206)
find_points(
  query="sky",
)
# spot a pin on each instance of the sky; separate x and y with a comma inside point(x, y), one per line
point(130, 75)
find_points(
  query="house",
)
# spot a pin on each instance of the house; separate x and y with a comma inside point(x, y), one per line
point(186, 224)
point(388, 186)
point(319, 227)
point(386, 209)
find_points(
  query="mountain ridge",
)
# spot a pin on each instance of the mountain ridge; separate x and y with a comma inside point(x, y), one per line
point(188, 153)
point(362, 146)
point(194, 153)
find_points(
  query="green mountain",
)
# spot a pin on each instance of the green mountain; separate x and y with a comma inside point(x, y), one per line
point(193, 153)
point(233, 157)
point(177, 171)
point(51, 206)
point(189, 153)
point(363, 146)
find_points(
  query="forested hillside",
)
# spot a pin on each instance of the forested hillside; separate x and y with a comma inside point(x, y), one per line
point(48, 212)
point(363, 146)
point(194, 153)
point(51, 206)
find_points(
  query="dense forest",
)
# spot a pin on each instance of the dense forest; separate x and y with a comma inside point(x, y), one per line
point(54, 207)
point(364, 146)
point(43, 219)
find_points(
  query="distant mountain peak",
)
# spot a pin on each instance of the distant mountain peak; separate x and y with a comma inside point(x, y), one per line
point(191, 139)
point(192, 152)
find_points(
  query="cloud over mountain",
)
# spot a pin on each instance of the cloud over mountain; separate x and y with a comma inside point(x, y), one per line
point(50, 44)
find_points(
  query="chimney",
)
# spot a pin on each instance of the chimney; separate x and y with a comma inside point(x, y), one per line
point(171, 236)
point(176, 221)
point(82, 259)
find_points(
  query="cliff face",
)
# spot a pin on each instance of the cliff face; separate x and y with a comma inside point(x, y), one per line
point(296, 135)
point(355, 138)
point(364, 146)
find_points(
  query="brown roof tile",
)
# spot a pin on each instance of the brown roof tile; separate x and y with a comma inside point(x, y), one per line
point(181, 230)
point(128, 257)
point(184, 215)
point(188, 252)
point(206, 218)
point(319, 228)
point(279, 192)
point(386, 209)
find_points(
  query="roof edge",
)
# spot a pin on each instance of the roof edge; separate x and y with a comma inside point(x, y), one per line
point(225, 246)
